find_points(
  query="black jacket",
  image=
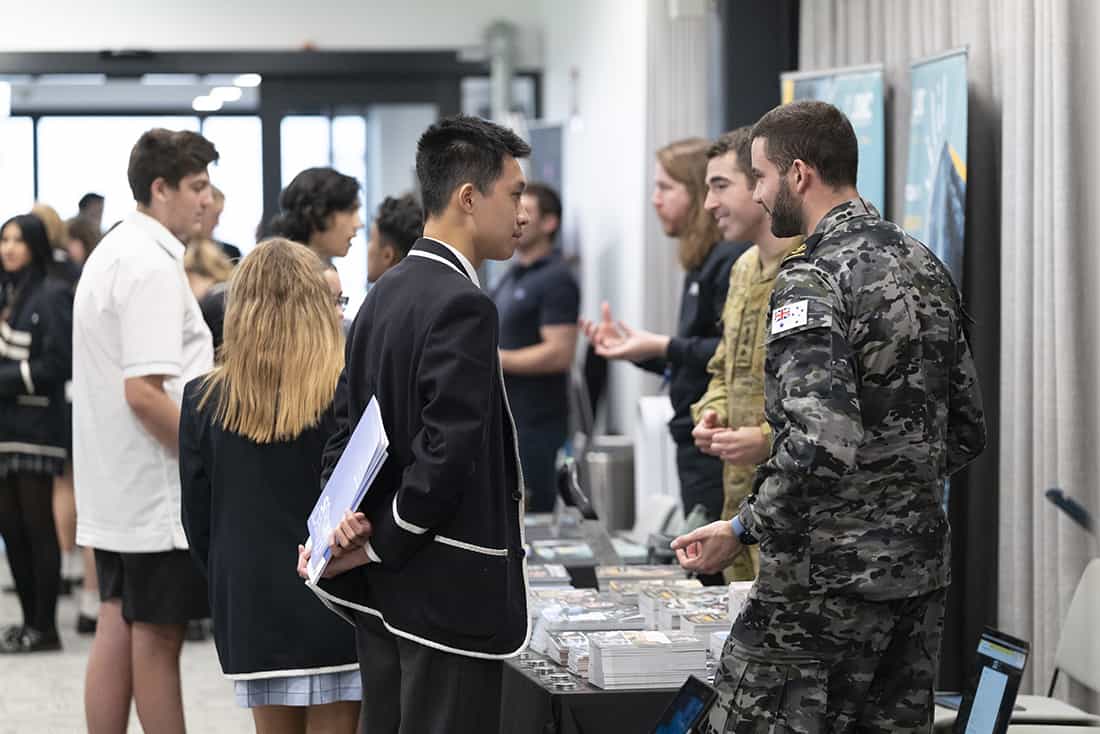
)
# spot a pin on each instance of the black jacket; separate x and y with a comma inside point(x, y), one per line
point(701, 303)
point(36, 358)
point(244, 509)
point(446, 506)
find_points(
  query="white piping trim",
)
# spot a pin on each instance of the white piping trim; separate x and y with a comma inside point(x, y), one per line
point(406, 526)
point(25, 371)
point(440, 259)
point(13, 352)
point(502, 552)
point(34, 401)
point(18, 338)
point(18, 447)
point(329, 599)
point(345, 668)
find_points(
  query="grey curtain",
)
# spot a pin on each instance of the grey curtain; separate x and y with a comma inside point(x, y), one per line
point(1050, 352)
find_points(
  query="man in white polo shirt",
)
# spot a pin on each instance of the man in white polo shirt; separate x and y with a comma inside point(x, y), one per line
point(138, 337)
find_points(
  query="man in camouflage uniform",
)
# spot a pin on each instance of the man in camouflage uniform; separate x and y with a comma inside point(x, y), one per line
point(729, 417)
point(873, 399)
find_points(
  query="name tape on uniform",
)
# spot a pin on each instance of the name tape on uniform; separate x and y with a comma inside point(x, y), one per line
point(790, 317)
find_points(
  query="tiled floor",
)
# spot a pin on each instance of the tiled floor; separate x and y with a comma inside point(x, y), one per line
point(44, 693)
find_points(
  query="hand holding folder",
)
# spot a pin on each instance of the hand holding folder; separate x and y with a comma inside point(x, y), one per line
point(363, 457)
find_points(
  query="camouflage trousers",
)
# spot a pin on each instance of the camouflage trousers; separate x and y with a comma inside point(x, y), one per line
point(829, 664)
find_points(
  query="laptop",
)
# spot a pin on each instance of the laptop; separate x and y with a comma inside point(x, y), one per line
point(987, 703)
point(687, 708)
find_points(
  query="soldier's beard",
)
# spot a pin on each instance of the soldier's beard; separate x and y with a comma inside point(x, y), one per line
point(787, 219)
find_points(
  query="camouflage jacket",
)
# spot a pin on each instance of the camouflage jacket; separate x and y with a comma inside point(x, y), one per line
point(871, 392)
point(736, 388)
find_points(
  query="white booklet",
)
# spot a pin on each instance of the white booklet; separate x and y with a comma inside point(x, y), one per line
point(363, 457)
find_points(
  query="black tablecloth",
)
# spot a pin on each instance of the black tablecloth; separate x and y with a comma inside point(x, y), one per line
point(528, 707)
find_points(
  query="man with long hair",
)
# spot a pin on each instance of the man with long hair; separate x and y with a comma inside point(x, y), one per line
point(437, 551)
point(679, 188)
point(873, 398)
point(138, 337)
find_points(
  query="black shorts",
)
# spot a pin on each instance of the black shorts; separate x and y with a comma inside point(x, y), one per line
point(154, 588)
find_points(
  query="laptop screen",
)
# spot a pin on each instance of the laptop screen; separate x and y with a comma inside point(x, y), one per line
point(987, 703)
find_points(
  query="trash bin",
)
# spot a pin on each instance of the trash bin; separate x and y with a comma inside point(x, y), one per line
point(608, 478)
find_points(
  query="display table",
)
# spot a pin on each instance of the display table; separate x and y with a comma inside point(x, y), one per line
point(529, 706)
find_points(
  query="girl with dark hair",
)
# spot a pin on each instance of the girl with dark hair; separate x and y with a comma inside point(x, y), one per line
point(319, 209)
point(35, 361)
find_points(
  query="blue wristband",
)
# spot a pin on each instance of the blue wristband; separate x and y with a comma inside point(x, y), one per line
point(743, 535)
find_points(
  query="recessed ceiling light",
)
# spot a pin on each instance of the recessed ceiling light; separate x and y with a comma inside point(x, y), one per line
point(226, 94)
point(248, 80)
point(206, 103)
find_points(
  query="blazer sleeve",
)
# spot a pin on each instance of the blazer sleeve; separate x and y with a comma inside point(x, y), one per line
point(455, 382)
point(341, 432)
point(50, 366)
point(194, 480)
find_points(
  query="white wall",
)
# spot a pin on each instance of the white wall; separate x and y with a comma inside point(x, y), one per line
point(603, 44)
point(199, 25)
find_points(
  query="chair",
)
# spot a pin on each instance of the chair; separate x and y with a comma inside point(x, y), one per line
point(1078, 656)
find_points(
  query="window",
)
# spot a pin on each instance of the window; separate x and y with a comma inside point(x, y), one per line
point(16, 166)
point(81, 154)
point(239, 175)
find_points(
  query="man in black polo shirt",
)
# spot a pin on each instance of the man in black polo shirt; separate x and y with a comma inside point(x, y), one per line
point(538, 301)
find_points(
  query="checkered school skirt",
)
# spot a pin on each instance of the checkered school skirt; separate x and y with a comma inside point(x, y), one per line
point(299, 690)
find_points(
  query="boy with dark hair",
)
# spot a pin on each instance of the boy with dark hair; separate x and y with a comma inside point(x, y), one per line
point(393, 232)
point(439, 579)
point(138, 337)
point(873, 400)
point(538, 300)
point(90, 209)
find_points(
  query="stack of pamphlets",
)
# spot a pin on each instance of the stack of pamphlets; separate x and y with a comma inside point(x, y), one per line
point(627, 592)
point(548, 575)
point(562, 551)
point(541, 598)
point(647, 659)
point(578, 659)
point(717, 644)
point(662, 606)
point(705, 622)
point(739, 592)
point(669, 613)
point(604, 574)
point(582, 614)
point(560, 643)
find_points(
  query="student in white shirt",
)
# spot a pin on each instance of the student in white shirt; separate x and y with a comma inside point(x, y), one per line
point(138, 338)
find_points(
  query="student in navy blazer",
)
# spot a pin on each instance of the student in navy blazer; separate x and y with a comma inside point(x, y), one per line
point(438, 546)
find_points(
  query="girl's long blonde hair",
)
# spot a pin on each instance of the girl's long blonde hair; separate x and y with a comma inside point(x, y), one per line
point(283, 348)
point(686, 162)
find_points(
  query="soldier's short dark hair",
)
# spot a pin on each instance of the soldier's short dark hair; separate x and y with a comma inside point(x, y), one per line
point(815, 132)
point(400, 222)
point(739, 142)
point(459, 150)
point(167, 154)
point(548, 200)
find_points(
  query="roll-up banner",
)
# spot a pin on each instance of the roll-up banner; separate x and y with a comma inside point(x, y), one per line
point(935, 187)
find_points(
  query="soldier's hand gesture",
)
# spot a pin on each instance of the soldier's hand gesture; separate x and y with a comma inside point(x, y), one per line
point(708, 549)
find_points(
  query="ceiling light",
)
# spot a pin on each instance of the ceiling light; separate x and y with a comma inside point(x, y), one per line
point(226, 94)
point(248, 80)
point(207, 103)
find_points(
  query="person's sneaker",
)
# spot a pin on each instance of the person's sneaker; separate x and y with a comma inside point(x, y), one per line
point(85, 625)
point(30, 641)
point(10, 633)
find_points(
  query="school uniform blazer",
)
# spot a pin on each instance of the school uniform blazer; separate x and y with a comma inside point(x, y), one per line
point(446, 508)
